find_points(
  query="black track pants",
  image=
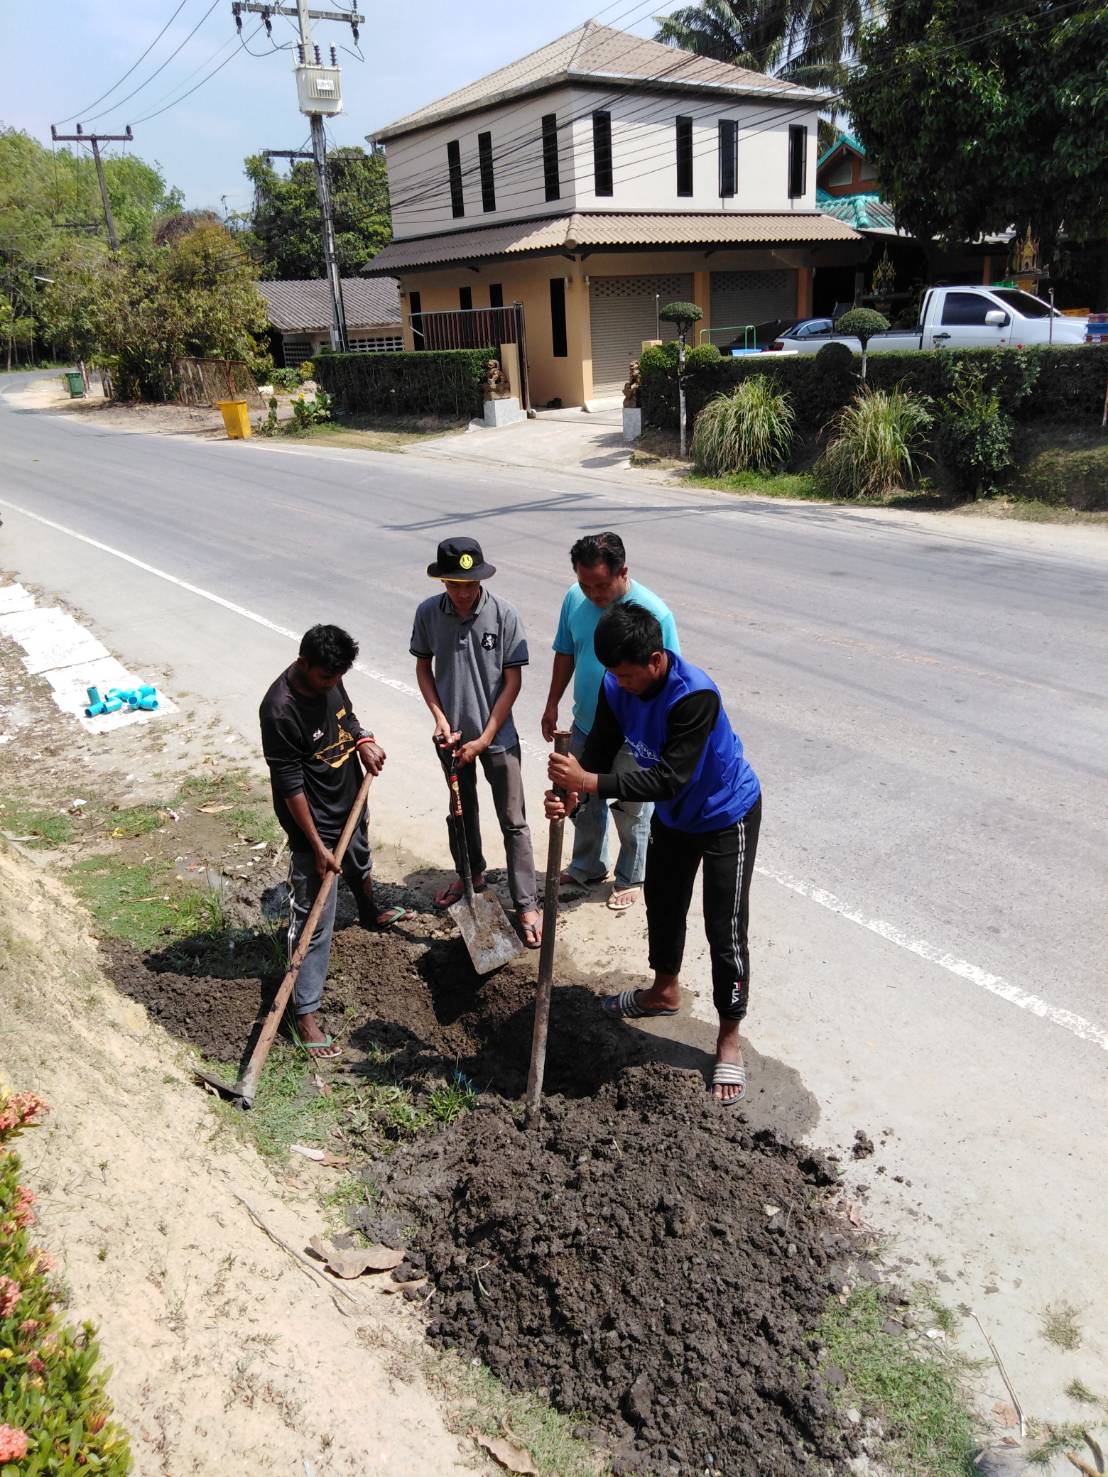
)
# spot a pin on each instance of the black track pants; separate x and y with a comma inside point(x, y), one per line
point(672, 860)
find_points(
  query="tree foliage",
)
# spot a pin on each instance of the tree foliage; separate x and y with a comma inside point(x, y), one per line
point(979, 118)
point(804, 40)
point(147, 306)
point(285, 219)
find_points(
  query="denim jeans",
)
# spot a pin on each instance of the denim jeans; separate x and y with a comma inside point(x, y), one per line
point(630, 817)
point(304, 885)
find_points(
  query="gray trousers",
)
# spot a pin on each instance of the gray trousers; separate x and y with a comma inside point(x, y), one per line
point(304, 885)
point(506, 782)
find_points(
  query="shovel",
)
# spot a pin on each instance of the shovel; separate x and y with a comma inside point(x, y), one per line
point(244, 1091)
point(482, 922)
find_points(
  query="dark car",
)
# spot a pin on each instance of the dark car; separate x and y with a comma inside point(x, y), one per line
point(807, 328)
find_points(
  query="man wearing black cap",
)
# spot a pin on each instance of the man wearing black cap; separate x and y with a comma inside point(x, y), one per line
point(470, 651)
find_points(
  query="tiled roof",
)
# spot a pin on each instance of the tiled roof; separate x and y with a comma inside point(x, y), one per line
point(863, 212)
point(844, 140)
point(596, 53)
point(596, 231)
point(299, 306)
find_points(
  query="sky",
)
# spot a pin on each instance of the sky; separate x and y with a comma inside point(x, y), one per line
point(72, 51)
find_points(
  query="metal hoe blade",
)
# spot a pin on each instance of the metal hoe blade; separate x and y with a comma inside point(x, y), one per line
point(489, 937)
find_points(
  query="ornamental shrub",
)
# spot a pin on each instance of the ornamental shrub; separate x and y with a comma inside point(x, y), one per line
point(439, 382)
point(700, 356)
point(835, 357)
point(285, 379)
point(54, 1410)
point(876, 443)
point(750, 430)
point(862, 324)
point(1065, 468)
point(681, 315)
point(974, 434)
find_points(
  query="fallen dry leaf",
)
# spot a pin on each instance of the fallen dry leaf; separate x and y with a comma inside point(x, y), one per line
point(350, 1262)
point(400, 1286)
point(510, 1456)
point(316, 1154)
point(335, 1161)
point(212, 809)
point(1007, 1415)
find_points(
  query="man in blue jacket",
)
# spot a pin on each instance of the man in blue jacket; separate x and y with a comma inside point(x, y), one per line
point(707, 809)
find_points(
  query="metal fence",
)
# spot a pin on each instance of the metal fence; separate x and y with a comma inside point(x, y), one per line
point(473, 328)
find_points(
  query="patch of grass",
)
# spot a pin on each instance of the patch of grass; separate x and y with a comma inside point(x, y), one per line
point(351, 1191)
point(142, 903)
point(35, 827)
point(134, 820)
point(370, 433)
point(254, 823)
point(768, 484)
point(452, 1099)
point(1059, 1326)
point(479, 1402)
point(1053, 1441)
point(288, 1109)
point(1030, 510)
point(912, 1387)
point(227, 787)
point(1079, 1391)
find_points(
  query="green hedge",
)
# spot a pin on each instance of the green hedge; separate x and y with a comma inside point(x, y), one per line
point(1064, 468)
point(1065, 383)
point(446, 382)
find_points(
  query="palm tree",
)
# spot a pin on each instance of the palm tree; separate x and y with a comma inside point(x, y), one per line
point(804, 40)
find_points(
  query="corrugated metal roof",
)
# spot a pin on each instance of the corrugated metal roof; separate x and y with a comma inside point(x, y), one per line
point(596, 231)
point(305, 305)
point(596, 53)
point(866, 212)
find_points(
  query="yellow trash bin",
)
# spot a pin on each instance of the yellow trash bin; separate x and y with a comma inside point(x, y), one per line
point(235, 418)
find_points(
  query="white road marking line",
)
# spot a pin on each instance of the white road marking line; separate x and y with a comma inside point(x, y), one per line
point(1003, 989)
point(1077, 1025)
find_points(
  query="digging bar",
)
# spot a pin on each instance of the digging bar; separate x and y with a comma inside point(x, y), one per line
point(244, 1091)
point(546, 956)
point(482, 922)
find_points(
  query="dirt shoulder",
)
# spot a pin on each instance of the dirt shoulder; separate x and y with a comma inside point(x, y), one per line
point(222, 1345)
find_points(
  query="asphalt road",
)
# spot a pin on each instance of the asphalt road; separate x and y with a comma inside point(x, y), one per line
point(924, 700)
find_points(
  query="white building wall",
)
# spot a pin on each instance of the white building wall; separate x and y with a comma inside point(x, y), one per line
point(644, 151)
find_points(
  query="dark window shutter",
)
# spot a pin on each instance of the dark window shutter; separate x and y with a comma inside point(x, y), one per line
point(484, 157)
point(798, 161)
point(454, 170)
point(558, 317)
point(602, 153)
point(551, 178)
point(728, 157)
point(684, 156)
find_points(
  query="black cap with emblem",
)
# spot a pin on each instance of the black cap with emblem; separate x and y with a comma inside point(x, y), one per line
point(460, 559)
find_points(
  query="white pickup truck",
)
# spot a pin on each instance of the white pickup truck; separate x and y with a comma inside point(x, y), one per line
point(963, 318)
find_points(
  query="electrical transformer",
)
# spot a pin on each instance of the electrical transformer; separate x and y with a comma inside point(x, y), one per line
point(319, 89)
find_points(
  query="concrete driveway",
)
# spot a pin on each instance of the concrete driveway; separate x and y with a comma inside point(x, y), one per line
point(577, 441)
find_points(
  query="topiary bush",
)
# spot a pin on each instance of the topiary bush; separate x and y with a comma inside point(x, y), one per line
point(681, 315)
point(750, 430)
point(701, 356)
point(862, 324)
point(440, 382)
point(876, 444)
point(54, 1409)
point(835, 357)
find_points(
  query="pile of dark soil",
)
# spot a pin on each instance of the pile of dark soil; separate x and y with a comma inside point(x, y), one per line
point(643, 1259)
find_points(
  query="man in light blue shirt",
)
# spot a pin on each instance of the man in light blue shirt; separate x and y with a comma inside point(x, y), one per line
point(600, 562)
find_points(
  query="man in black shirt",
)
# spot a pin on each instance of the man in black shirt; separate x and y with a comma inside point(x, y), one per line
point(310, 736)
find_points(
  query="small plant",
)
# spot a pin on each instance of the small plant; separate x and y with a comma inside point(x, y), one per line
point(1079, 1391)
point(306, 371)
point(862, 324)
point(975, 435)
point(268, 427)
point(835, 358)
point(451, 1100)
point(308, 413)
point(287, 380)
point(750, 430)
point(1060, 1326)
point(54, 1409)
point(876, 444)
point(702, 356)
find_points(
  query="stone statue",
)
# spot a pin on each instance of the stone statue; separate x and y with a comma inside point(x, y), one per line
point(631, 388)
point(496, 382)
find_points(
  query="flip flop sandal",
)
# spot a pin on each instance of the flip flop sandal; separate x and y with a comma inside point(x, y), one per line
point(630, 893)
point(384, 919)
point(327, 1050)
point(625, 1006)
point(532, 938)
point(455, 892)
point(730, 1074)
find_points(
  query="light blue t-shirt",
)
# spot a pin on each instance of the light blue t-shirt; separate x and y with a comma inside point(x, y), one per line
point(577, 624)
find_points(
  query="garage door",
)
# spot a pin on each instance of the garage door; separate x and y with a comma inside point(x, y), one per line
point(739, 298)
point(624, 313)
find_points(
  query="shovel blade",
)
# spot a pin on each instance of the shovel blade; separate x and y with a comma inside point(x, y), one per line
point(489, 937)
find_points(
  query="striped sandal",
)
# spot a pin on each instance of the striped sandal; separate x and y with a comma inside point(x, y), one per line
point(625, 1006)
point(729, 1074)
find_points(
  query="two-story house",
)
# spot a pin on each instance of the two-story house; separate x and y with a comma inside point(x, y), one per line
point(598, 179)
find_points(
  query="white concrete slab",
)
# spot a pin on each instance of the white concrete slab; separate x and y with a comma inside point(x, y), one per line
point(51, 638)
point(14, 598)
point(70, 688)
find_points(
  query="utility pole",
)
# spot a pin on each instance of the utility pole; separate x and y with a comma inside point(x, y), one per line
point(96, 139)
point(319, 93)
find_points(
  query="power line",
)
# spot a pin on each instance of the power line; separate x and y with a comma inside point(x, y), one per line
point(117, 105)
point(230, 58)
point(98, 100)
